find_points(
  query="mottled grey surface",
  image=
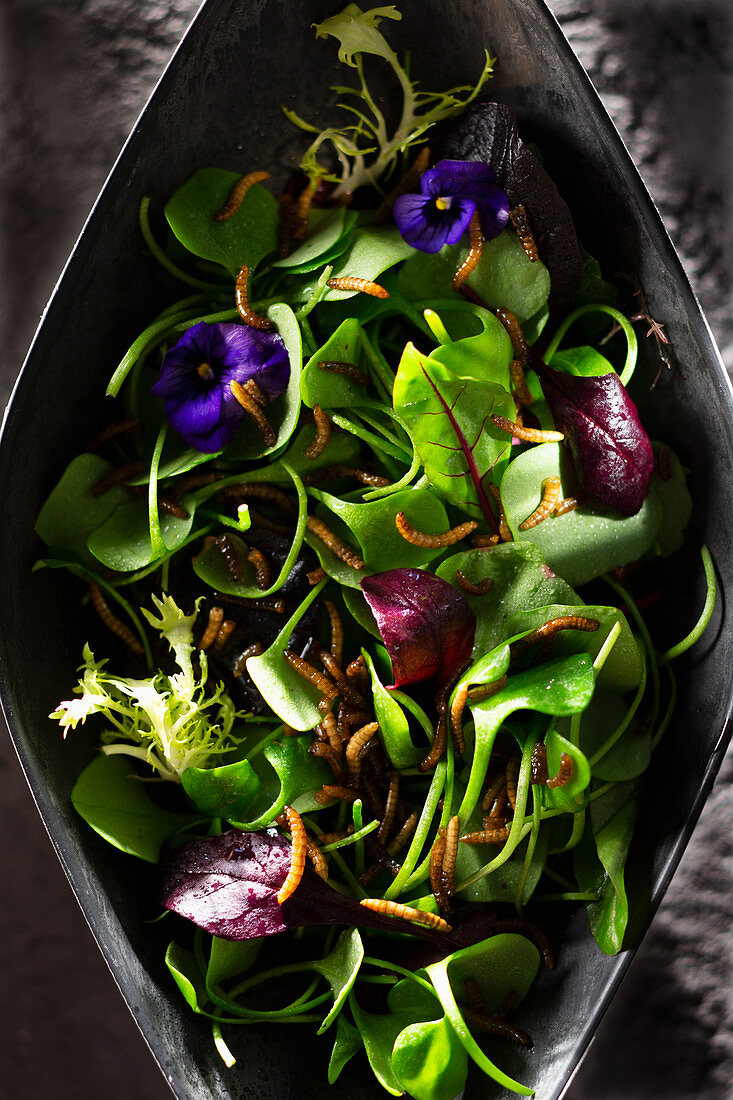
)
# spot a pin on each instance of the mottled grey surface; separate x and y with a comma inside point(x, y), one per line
point(73, 75)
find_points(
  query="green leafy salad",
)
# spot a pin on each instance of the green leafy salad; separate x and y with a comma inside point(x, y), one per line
point(370, 687)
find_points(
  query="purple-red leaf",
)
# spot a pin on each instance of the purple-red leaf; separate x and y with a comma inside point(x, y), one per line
point(611, 452)
point(427, 625)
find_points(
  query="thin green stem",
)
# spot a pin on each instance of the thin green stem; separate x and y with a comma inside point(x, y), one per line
point(320, 290)
point(419, 836)
point(157, 544)
point(632, 344)
point(369, 437)
point(705, 616)
point(163, 259)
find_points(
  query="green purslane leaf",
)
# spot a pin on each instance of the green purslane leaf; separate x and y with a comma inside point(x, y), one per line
point(374, 251)
point(347, 1043)
point(429, 1060)
point(226, 791)
point(328, 235)
point(331, 390)
point(71, 512)
point(340, 969)
point(288, 776)
point(378, 1033)
point(123, 542)
point(394, 729)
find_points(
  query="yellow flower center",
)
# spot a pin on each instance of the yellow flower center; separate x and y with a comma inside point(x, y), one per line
point(442, 203)
point(205, 371)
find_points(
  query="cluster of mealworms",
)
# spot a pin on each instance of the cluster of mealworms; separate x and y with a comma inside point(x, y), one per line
point(255, 411)
point(443, 856)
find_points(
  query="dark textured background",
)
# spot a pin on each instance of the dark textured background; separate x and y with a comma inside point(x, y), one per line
point(73, 76)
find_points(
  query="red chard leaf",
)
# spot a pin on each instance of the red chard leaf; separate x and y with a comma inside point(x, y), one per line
point(612, 453)
point(426, 624)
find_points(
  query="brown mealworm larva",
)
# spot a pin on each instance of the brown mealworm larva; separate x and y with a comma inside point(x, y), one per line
point(230, 553)
point(337, 632)
point(341, 549)
point(224, 634)
point(335, 790)
point(550, 497)
point(484, 542)
point(241, 300)
point(251, 407)
point(474, 995)
point(409, 182)
point(261, 566)
point(351, 282)
point(527, 435)
point(323, 434)
point(330, 838)
point(302, 210)
point(277, 606)
point(487, 836)
point(357, 743)
point(216, 618)
point(474, 589)
point(329, 726)
point(448, 871)
point(532, 932)
point(553, 626)
point(337, 674)
point(513, 327)
point(664, 464)
point(405, 912)
point(512, 778)
point(564, 772)
point(520, 221)
point(111, 621)
point(118, 476)
point(270, 493)
point(237, 193)
point(165, 505)
point(538, 771)
point(485, 691)
point(131, 426)
point(456, 718)
point(254, 391)
point(315, 576)
point(436, 869)
point(390, 808)
point(505, 533)
point(432, 542)
point(495, 1025)
point(437, 748)
point(372, 796)
point(327, 473)
point(299, 847)
point(191, 481)
point(326, 687)
point(356, 671)
point(332, 758)
point(348, 370)
point(495, 791)
point(519, 384)
point(469, 265)
point(240, 665)
point(398, 842)
point(317, 858)
point(569, 504)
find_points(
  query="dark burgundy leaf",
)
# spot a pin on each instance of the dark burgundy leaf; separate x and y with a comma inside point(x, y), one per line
point(611, 452)
point(427, 625)
point(488, 132)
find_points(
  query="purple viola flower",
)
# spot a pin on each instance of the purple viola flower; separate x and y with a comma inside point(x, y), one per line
point(451, 192)
point(196, 376)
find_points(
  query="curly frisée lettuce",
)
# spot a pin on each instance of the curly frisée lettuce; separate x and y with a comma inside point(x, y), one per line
point(170, 720)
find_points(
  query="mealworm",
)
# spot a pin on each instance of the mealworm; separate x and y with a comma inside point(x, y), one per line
point(317, 858)
point(323, 434)
point(288, 731)
point(240, 665)
point(487, 836)
point(504, 532)
point(405, 912)
point(329, 727)
point(532, 932)
point(329, 754)
point(237, 193)
point(326, 687)
point(327, 473)
point(269, 493)
point(277, 606)
point(254, 391)
point(432, 542)
point(302, 210)
point(513, 327)
point(111, 621)
point(485, 691)
point(230, 553)
point(520, 221)
point(261, 566)
point(241, 301)
point(408, 183)
point(315, 576)
point(390, 807)
point(475, 251)
point(553, 626)
point(437, 748)
point(538, 772)
point(130, 426)
point(495, 791)
point(569, 504)
point(351, 282)
point(436, 869)
point(519, 383)
point(118, 476)
point(479, 588)
point(512, 778)
point(337, 632)
point(356, 671)
point(336, 672)
point(494, 1025)
point(287, 218)
point(169, 507)
point(398, 842)
point(545, 649)
point(335, 790)
point(216, 617)
point(348, 370)
point(448, 870)
point(564, 773)
point(251, 407)
point(484, 542)
point(527, 435)
point(341, 549)
point(478, 1004)
point(456, 718)
point(331, 838)
point(372, 796)
point(664, 465)
point(357, 743)
point(224, 634)
point(550, 497)
point(299, 848)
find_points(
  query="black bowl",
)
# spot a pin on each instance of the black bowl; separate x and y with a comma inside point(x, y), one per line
point(218, 104)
